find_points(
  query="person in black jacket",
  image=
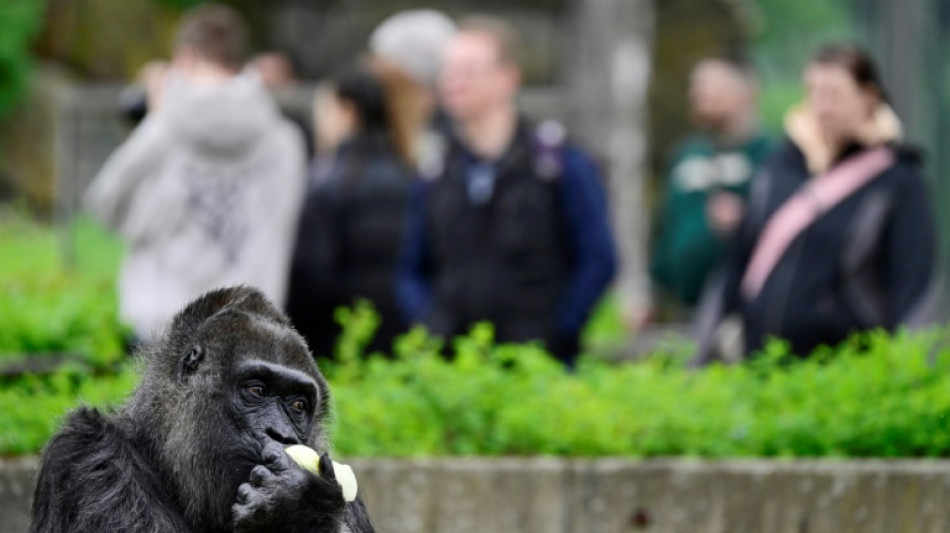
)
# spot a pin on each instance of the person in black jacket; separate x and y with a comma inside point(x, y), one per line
point(351, 225)
point(509, 224)
point(864, 261)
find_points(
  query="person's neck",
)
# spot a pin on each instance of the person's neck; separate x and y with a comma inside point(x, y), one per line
point(206, 74)
point(839, 147)
point(489, 134)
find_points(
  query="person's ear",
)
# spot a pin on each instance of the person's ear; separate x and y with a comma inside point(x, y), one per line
point(513, 77)
point(184, 58)
point(350, 117)
point(872, 99)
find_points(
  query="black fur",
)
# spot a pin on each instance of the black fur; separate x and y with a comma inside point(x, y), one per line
point(199, 445)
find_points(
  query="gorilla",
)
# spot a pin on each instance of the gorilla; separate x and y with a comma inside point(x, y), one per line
point(199, 446)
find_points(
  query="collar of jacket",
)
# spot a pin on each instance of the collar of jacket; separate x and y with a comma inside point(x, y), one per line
point(519, 138)
point(801, 126)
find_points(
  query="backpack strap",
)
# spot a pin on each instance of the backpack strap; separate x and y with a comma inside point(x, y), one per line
point(812, 200)
point(548, 142)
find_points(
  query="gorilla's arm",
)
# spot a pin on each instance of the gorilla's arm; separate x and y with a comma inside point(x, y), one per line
point(93, 479)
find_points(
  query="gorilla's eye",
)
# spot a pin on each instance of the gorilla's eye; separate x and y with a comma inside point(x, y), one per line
point(256, 390)
point(298, 405)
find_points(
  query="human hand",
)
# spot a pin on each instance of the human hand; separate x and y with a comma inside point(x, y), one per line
point(154, 77)
point(724, 211)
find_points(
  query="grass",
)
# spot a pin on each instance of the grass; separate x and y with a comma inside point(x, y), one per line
point(54, 304)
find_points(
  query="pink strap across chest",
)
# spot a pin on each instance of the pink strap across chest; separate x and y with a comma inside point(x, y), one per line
point(812, 200)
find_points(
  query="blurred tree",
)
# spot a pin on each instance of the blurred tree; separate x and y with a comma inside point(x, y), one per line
point(105, 39)
point(784, 34)
point(786, 31)
point(20, 21)
point(110, 39)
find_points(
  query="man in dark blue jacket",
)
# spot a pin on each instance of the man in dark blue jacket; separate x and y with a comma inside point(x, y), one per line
point(509, 222)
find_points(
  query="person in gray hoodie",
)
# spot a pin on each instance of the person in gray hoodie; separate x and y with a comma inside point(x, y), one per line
point(207, 190)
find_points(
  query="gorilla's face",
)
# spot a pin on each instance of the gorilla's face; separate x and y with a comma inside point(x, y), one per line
point(240, 381)
point(274, 402)
point(271, 386)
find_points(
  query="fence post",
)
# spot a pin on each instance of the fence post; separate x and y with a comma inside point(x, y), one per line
point(608, 74)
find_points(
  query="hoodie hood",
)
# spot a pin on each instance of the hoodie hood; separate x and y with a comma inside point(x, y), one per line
point(220, 120)
point(801, 126)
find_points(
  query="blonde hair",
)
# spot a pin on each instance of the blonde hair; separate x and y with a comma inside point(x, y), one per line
point(406, 109)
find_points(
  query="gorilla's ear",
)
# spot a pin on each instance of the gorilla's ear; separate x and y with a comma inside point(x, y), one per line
point(189, 362)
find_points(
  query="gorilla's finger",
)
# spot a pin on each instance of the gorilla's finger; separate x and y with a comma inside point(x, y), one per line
point(259, 475)
point(240, 514)
point(275, 458)
point(243, 493)
point(272, 450)
point(326, 467)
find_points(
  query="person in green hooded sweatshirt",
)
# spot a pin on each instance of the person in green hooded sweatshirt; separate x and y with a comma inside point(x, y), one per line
point(707, 182)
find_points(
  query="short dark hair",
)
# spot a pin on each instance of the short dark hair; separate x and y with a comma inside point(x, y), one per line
point(216, 32)
point(385, 99)
point(506, 38)
point(856, 61)
point(737, 61)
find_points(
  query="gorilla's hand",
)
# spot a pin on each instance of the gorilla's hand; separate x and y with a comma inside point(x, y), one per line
point(281, 496)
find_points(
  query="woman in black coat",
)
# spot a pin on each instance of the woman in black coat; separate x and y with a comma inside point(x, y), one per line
point(352, 220)
point(839, 234)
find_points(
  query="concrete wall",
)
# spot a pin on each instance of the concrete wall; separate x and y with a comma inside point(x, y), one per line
point(547, 495)
point(16, 491)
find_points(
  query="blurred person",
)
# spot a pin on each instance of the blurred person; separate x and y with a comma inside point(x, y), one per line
point(275, 70)
point(839, 236)
point(352, 221)
point(207, 189)
point(707, 183)
point(133, 100)
point(509, 224)
point(415, 41)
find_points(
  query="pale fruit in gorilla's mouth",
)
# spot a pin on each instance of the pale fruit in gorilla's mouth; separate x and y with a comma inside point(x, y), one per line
point(309, 459)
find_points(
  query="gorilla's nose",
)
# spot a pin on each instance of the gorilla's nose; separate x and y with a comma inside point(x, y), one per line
point(284, 436)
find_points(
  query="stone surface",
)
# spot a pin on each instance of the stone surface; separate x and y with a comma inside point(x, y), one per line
point(552, 495)
point(16, 491)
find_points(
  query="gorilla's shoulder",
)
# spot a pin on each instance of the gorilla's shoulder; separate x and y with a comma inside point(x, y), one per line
point(92, 474)
point(87, 450)
point(85, 428)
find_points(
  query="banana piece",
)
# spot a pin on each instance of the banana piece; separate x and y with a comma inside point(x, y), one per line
point(309, 459)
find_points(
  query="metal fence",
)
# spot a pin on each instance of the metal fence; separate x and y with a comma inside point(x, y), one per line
point(911, 39)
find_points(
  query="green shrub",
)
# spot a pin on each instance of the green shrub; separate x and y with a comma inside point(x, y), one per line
point(32, 407)
point(873, 396)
